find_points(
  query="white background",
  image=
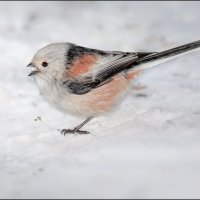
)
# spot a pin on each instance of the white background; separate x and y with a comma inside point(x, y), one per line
point(149, 147)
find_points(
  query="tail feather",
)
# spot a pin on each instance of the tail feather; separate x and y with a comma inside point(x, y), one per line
point(158, 58)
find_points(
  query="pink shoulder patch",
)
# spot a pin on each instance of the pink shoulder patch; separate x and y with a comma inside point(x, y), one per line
point(82, 65)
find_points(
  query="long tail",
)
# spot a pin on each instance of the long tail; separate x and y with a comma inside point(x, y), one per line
point(161, 57)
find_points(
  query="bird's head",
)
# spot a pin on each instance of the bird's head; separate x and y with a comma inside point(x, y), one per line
point(48, 61)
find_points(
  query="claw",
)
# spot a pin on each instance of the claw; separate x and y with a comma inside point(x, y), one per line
point(66, 131)
point(73, 131)
point(77, 129)
point(82, 132)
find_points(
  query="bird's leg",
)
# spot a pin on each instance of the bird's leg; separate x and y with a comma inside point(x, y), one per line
point(77, 129)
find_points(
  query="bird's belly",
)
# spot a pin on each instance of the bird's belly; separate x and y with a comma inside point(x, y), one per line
point(98, 101)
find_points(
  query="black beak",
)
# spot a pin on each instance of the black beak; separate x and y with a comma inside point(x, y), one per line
point(34, 69)
point(33, 73)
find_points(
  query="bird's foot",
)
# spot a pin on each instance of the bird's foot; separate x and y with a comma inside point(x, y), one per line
point(77, 129)
point(73, 131)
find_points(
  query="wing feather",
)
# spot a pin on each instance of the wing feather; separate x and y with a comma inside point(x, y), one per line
point(108, 65)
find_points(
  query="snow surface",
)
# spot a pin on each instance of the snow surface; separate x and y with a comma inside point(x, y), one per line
point(149, 147)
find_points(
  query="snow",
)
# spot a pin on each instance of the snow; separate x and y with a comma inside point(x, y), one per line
point(149, 147)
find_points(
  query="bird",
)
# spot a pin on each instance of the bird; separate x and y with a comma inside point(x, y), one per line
point(90, 82)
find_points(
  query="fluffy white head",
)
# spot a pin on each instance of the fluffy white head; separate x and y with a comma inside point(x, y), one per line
point(49, 61)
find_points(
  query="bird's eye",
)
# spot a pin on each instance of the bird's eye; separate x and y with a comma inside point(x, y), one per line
point(44, 64)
